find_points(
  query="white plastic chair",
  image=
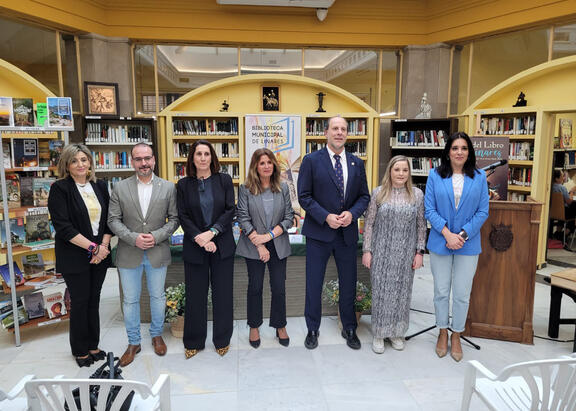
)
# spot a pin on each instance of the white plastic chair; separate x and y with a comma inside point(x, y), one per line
point(534, 385)
point(10, 401)
point(50, 394)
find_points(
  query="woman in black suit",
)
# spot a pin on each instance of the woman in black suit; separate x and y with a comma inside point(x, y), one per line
point(206, 209)
point(78, 206)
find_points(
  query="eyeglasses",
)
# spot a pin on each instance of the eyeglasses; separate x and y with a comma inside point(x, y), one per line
point(201, 186)
point(140, 159)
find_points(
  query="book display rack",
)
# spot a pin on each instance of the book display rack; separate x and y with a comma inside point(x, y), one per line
point(34, 126)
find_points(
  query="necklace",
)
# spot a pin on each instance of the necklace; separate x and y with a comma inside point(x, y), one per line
point(81, 185)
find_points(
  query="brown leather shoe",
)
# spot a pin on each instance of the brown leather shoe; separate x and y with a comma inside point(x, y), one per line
point(159, 345)
point(129, 354)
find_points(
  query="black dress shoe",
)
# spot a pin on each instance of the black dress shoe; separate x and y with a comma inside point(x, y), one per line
point(311, 340)
point(84, 362)
point(255, 343)
point(99, 356)
point(352, 340)
point(286, 341)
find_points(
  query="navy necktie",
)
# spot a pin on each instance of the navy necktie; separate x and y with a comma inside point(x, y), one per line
point(339, 178)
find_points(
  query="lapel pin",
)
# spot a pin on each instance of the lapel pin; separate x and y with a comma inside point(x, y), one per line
point(352, 163)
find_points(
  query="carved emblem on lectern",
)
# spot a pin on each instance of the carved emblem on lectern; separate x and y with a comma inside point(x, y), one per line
point(501, 237)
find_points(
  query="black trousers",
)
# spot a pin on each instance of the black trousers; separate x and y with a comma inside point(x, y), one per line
point(84, 291)
point(277, 270)
point(218, 273)
point(317, 255)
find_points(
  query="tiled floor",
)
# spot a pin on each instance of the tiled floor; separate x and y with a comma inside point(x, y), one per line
point(332, 377)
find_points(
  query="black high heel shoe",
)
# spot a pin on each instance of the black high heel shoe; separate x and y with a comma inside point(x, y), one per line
point(84, 362)
point(283, 341)
point(254, 343)
point(99, 356)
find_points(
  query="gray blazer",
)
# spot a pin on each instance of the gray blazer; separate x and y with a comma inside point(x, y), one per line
point(251, 216)
point(125, 219)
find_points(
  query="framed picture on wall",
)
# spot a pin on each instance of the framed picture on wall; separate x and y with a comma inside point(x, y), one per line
point(270, 98)
point(101, 99)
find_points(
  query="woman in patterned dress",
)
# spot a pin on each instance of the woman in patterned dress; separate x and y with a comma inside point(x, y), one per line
point(394, 237)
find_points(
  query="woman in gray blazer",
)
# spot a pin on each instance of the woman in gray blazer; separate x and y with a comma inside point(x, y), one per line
point(265, 214)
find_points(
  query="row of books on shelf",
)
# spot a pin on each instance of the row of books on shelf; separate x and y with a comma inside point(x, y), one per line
point(495, 125)
point(233, 170)
point(22, 112)
point(565, 159)
point(423, 165)
point(520, 176)
point(29, 152)
point(33, 230)
point(35, 272)
point(108, 133)
point(35, 305)
point(107, 160)
point(521, 150)
point(317, 126)
point(223, 150)
point(23, 191)
point(424, 138)
point(200, 127)
point(358, 148)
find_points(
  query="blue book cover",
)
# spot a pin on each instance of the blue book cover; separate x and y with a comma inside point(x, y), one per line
point(5, 273)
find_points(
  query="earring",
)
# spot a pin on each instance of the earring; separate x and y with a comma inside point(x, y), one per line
point(88, 173)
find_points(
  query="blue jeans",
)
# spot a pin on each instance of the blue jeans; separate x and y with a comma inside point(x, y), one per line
point(131, 279)
point(454, 272)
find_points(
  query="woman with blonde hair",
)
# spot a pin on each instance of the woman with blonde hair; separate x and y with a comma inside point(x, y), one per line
point(265, 214)
point(394, 238)
point(78, 205)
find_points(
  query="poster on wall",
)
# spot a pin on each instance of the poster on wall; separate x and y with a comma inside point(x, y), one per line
point(565, 128)
point(282, 135)
point(490, 151)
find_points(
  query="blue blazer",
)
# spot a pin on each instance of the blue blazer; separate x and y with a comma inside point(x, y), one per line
point(471, 213)
point(318, 195)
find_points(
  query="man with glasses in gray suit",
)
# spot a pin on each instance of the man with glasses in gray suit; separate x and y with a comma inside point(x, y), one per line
point(143, 214)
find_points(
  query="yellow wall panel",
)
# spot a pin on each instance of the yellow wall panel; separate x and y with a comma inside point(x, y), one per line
point(370, 23)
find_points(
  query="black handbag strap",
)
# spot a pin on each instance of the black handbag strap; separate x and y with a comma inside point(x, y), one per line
point(110, 365)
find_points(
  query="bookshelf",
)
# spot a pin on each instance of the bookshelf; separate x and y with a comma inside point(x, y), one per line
point(519, 126)
point(110, 141)
point(422, 141)
point(197, 115)
point(37, 161)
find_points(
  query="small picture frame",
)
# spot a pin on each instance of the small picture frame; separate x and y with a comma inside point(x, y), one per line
point(101, 99)
point(270, 98)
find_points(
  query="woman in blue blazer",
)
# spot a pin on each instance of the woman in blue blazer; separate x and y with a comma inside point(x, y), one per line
point(456, 203)
point(265, 214)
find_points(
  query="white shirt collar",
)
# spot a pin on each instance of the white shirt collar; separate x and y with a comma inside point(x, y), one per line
point(143, 183)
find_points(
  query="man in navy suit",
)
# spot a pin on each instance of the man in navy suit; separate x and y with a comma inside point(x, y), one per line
point(332, 189)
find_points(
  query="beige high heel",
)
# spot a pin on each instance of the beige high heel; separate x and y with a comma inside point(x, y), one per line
point(442, 349)
point(456, 355)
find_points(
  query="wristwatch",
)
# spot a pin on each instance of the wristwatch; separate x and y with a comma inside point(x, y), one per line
point(464, 235)
point(214, 231)
point(421, 252)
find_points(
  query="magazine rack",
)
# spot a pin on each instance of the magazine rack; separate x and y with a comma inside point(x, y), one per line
point(6, 215)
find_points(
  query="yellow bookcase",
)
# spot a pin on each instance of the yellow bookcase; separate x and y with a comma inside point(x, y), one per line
point(550, 89)
point(182, 121)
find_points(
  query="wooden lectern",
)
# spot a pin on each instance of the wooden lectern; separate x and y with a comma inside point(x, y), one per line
point(502, 299)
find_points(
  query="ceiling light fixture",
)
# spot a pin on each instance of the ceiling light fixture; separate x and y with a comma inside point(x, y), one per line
point(321, 6)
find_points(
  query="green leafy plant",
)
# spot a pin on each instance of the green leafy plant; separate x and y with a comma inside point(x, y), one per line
point(363, 301)
point(175, 302)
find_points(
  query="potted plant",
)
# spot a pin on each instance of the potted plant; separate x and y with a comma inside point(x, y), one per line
point(175, 303)
point(363, 301)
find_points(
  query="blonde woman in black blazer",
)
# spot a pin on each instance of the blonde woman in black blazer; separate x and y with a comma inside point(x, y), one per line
point(265, 214)
point(206, 209)
point(78, 206)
